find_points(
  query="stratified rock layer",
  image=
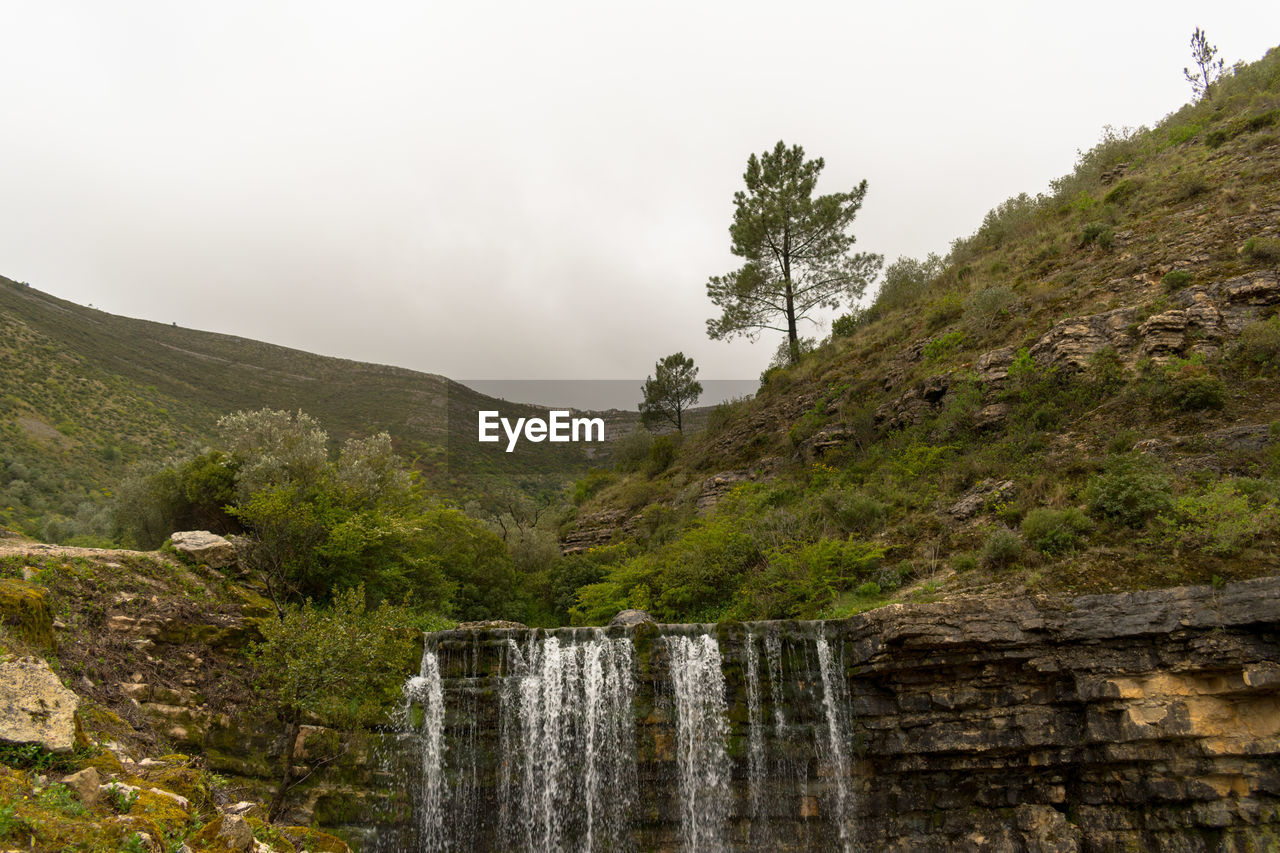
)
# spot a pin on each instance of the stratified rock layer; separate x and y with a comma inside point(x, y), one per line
point(1141, 721)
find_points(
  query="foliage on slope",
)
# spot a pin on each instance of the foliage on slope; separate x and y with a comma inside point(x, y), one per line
point(1124, 467)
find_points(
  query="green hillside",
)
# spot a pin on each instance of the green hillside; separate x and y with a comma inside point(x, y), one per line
point(1083, 395)
point(86, 394)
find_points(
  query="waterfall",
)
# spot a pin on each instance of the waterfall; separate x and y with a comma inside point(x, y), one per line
point(593, 739)
point(756, 761)
point(702, 728)
point(427, 692)
point(566, 773)
point(836, 753)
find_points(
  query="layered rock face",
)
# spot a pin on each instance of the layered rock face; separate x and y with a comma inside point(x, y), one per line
point(1137, 721)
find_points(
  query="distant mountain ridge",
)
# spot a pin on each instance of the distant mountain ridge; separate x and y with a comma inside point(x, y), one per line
point(87, 392)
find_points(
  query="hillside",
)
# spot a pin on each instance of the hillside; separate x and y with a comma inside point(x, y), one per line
point(87, 394)
point(1083, 396)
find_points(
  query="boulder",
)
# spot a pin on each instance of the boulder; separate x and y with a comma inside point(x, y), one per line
point(86, 784)
point(201, 546)
point(630, 618)
point(35, 707)
point(235, 833)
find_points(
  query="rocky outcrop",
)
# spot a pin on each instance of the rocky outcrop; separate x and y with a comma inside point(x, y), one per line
point(629, 619)
point(984, 492)
point(1206, 318)
point(34, 706)
point(595, 530)
point(201, 546)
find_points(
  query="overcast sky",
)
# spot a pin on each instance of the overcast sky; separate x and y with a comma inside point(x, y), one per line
point(529, 190)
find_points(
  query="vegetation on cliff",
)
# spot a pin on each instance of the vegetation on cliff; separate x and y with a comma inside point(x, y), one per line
point(1082, 396)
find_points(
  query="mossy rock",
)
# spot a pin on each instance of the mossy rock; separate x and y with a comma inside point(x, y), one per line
point(315, 841)
point(25, 613)
point(106, 763)
point(207, 840)
point(161, 810)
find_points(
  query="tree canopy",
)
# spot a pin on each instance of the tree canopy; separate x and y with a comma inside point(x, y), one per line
point(797, 249)
point(672, 389)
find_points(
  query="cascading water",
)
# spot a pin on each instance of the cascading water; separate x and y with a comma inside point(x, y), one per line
point(426, 691)
point(566, 729)
point(595, 739)
point(702, 728)
point(834, 701)
point(756, 761)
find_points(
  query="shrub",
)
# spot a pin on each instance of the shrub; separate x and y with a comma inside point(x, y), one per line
point(1222, 521)
point(1055, 531)
point(595, 480)
point(1098, 233)
point(1183, 132)
point(1001, 548)
point(986, 307)
point(1175, 280)
point(1188, 385)
point(907, 280)
point(1266, 249)
point(631, 451)
point(1123, 191)
point(853, 511)
point(945, 309)
point(1131, 489)
point(846, 325)
point(661, 455)
point(943, 346)
point(1188, 185)
point(1259, 345)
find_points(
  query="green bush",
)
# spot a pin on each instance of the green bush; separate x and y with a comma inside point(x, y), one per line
point(1188, 385)
point(1188, 185)
point(907, 280)
point(853, 511)
point(595, 480)
point(631, 451)
point(943, 346)
point(1000, 549)
point(846, 325)
point(1259, 345)
point(661, 455)
point(1055, 531)
point(1222, 520)
point(1122, 192)
point(943, 310)
point(1131, 489)
point(1260, 248)
point(1175, 280)
point(1098, 233)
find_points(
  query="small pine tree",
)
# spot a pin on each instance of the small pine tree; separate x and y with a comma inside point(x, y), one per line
point(1210, 71)
point(670, 392)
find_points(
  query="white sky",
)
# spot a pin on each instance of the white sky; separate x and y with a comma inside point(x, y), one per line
point(495, 190)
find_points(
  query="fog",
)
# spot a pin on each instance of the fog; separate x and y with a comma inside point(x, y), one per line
point(529, 191)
